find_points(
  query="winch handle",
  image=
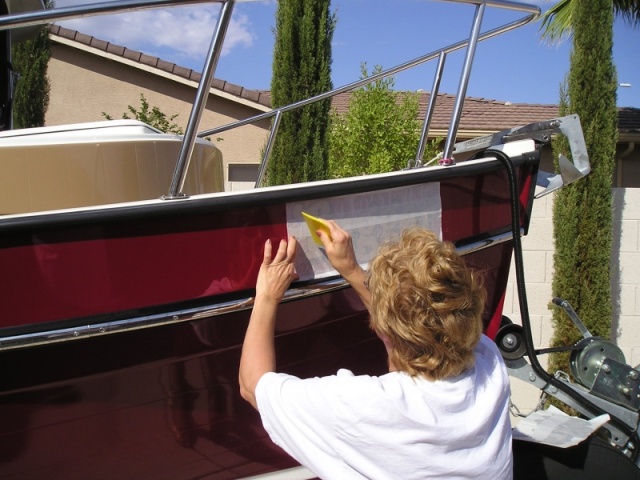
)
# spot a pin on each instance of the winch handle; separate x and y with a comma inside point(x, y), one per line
point(568, 309)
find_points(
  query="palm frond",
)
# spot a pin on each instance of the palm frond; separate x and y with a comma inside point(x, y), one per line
point(629, 10)
point(557, 22)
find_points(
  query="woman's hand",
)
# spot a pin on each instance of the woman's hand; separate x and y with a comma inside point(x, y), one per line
point(258, 351)
point(276, 274)
point(339, 248)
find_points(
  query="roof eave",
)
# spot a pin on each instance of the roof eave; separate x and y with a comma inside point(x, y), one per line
point(62, 40)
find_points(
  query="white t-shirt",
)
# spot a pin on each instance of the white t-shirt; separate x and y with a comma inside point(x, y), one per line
point(394, 426)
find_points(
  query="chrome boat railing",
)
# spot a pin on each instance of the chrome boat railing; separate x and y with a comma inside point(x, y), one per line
point(533, 12)
point(182, 164)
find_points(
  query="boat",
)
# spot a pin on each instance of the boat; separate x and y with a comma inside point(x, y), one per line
point(124, 304)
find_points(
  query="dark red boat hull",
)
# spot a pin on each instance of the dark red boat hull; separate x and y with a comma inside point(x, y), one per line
point(163, 402)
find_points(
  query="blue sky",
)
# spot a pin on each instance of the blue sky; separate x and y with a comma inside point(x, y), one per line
point(516, 66)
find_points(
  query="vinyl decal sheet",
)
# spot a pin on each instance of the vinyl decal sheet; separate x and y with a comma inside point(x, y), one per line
point(371, 218)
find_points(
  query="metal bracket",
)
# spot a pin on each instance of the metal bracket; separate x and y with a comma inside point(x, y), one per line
point(541, 133)
point(618, 383)
point(522, 370)
point(570, 127)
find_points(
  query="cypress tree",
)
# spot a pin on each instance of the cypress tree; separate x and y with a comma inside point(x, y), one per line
point(30, 59)
point(583, 210)
point(301, 68)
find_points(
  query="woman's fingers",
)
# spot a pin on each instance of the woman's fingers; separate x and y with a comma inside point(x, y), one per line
point(282, 255)
point(292, 249)
point(286, 252)
point(337, 232)
point(266, 258)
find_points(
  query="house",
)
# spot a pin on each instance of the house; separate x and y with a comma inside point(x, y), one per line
point(90, 76)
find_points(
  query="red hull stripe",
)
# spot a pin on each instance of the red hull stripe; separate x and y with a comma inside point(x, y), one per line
point(87, 276)
point(99, 270)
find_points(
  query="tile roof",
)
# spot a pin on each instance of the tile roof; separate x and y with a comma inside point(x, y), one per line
point(144, 59)
point(629, 120)
point(478, 114)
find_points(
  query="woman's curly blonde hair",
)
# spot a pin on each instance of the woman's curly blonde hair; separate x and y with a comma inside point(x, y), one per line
point(427, 303)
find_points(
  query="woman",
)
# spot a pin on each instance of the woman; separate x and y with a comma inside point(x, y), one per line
point(440, 412)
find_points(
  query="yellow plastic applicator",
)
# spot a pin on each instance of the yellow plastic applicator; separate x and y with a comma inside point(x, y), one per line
point(314, 224)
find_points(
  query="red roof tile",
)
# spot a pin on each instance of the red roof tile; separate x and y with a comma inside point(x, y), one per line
point(478, 114)
point(237, 90)
point(629, 120)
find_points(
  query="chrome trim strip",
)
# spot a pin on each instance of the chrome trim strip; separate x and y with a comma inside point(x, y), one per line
point(147, 321)
point(207, 311)
point(296, 473)
point(486, 243)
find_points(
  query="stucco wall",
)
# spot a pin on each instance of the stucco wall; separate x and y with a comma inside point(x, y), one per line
point(84, 85)
point(538, 266)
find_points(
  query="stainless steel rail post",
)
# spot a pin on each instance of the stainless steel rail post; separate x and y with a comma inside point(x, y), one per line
point(447, 158)
point(186, 149)
point(268, 148)
point(430, 108)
